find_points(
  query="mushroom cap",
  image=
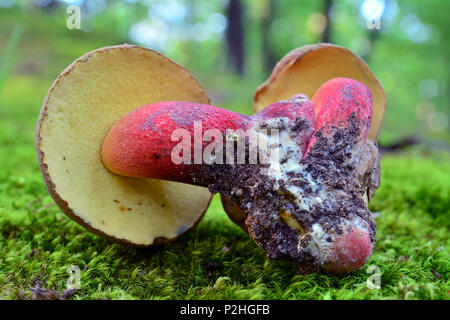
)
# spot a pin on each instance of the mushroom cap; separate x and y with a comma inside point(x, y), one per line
point(305, 69)
point(82, 105)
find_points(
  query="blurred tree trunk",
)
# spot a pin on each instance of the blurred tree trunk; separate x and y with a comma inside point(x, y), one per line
point(235, 36)
point(373, 36)
point(269, 59)
point(326, 34)
point(50, 7)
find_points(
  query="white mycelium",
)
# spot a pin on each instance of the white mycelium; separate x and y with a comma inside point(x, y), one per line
point(284, 164)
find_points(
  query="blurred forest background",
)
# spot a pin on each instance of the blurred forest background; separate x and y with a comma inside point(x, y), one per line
point(231, 46)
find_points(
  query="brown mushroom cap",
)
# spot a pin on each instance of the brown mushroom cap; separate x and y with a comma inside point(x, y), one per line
point(304, 70)
point(82, 105)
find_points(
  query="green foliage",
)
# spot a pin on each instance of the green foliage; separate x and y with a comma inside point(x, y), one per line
point(216, 260)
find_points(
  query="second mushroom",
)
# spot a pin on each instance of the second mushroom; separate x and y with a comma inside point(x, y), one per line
point(301, 172)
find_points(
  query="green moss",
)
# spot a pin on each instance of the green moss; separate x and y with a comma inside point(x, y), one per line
point(216, 260)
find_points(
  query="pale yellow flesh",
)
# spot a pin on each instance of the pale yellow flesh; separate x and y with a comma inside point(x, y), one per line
point(85, 102)
point(315, 67)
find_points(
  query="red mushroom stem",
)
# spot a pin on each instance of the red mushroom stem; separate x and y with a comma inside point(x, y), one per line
point(307, 206)
point(146, 142)
point(337, 103)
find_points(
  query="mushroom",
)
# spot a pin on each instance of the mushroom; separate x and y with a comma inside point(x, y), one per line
point(303, 200)
point(114, 142)
point(81, 106)
point(305, 70)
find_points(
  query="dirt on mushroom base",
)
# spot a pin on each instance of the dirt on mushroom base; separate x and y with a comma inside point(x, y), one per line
point(297, 210)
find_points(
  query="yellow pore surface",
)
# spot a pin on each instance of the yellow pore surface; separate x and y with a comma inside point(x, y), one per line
point(83, 104)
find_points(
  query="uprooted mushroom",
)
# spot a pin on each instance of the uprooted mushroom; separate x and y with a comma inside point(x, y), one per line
point(304, 200)
point(297, 175)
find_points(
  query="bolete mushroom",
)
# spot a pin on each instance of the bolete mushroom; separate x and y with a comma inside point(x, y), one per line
point(81, 106)
point(303, 200)
point(305, 70)
point(117, 125)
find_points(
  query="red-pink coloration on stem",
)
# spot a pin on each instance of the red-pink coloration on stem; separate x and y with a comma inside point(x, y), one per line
point(350, 252)
point(298, 107)
point(140, 144)
point(336, 101)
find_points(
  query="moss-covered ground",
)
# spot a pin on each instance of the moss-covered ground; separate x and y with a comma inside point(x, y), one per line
point(215, 260)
